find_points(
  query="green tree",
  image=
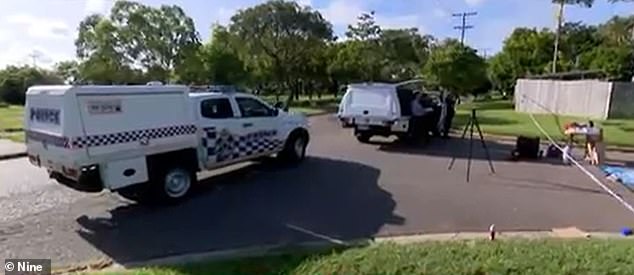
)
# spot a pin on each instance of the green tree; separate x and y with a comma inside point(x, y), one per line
point(456, 68)
point(576, 39)
point(365, 28)
point(67, 71)
point(501, 73)
point(163, 41)
point(524, 52)
point(160, 39)
point(101, 60)
point(352, 63)
point(618, 31)
point(616, 62)
point(222, 64)
point(404, 52)
point(14, 81)
point(280, 37)
point(361, 57)
point(560, 21)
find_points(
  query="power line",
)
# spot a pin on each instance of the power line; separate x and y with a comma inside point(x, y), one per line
point(464, 25)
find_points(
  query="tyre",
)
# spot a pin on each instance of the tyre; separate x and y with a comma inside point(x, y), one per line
point(168, 186)
point(173, 185)
point(363, 138)
point(295, 148)
point(134, 193)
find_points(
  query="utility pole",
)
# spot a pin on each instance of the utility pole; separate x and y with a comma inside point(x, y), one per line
point(560, 20)
point(484, 52)
point(464, 25)
point(35, 56)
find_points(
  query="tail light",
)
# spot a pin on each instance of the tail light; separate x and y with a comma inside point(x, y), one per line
point(389, 122)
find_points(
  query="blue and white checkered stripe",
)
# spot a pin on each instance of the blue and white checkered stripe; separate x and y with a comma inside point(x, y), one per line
point(224, 146)
point(48, 139)
point(132, 136)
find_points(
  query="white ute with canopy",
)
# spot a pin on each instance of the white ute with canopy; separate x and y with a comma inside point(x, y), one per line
point(148, 141)
point(377, 109)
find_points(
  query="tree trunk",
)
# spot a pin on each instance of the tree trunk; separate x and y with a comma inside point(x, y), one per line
point(297, 89)
point(289, 99)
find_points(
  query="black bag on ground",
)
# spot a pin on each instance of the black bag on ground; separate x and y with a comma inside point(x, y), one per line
point(527, 147)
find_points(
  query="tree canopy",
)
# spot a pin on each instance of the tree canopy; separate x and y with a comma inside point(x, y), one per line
point(279, 47)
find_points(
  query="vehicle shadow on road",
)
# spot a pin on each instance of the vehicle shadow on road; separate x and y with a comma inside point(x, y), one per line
point(263, 204)
point(459, 148)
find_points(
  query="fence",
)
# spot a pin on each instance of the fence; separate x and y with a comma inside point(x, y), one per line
point(585, 98)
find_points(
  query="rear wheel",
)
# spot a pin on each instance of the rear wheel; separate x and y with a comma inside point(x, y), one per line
point(173, 185)
point(363, 137)
point(169, 186)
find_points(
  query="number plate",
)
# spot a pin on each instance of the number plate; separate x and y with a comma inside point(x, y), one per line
point(363, 127)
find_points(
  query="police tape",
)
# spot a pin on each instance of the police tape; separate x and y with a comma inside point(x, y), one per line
point(575, 162)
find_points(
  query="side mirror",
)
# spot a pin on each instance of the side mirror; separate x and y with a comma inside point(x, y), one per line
point(276, 112)
point(279, 105)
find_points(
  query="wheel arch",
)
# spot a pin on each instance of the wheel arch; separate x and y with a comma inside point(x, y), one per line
point(299, 131)
point(188, 158)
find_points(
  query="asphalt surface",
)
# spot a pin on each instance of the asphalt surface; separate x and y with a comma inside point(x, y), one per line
point(344, 190)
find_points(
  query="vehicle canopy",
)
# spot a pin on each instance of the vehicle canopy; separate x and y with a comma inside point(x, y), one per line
point(60, 121)
point(386, 100)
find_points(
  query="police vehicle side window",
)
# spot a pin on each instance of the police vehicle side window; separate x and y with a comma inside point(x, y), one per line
point(216, 108)
point(250, 107)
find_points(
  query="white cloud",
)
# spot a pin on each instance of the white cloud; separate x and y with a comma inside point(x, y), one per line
point(304, 2)
point(223, 15)
point(343, 12)
point(38, 27)
point(439, 12)
point(400, 22)
point(95, 6)
point(474, 2)
point(4, 35)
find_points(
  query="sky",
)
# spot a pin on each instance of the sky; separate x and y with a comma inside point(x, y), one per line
point(43, 31)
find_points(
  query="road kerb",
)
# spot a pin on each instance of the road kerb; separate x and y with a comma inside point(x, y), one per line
point(12, 156)
point(273, 250)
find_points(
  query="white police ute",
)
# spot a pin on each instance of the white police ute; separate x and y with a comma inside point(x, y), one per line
point(377, 109)
point(147, 142)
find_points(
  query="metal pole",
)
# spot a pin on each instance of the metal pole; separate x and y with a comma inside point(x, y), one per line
point(560, 17)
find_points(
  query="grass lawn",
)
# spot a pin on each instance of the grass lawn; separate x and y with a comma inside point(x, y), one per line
point(539, 257)
point(11, 123)
point(308, 111)
point(11, 117)
point(499, 117)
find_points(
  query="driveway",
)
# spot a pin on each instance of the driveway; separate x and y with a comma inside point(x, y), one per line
point(344, 190)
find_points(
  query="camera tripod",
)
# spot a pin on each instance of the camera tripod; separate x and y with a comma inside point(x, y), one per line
point(473, 122)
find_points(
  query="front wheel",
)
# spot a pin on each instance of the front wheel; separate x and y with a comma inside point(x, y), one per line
point(295, 148)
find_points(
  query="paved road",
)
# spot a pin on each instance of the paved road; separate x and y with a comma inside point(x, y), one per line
point(344, 190)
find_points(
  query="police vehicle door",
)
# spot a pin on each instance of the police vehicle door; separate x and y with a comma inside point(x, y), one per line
point(259, 124)
point(221, 127)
